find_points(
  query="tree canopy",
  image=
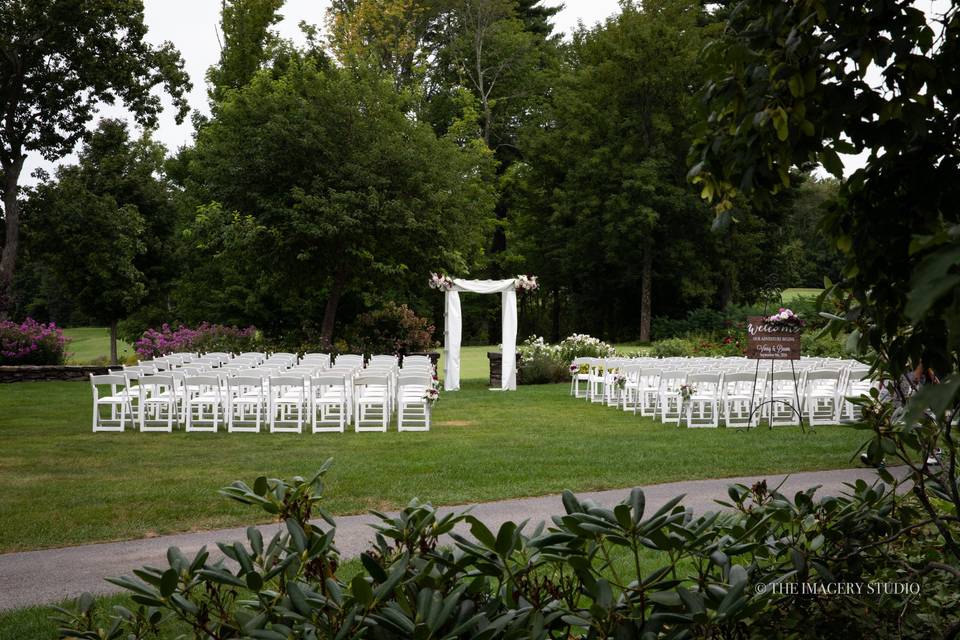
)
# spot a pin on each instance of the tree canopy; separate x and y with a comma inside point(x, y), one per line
point(62, 58)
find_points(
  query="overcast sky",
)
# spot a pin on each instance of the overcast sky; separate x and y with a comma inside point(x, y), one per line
point(192, 27)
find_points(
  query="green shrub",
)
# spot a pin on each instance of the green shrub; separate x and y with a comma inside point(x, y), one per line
point(671, 348)
point(823, 347)
point(542, 363)
point(394, 329)
point(596, 572)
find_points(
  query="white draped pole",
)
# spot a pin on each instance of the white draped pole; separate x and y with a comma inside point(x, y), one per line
point(508, 373)
point(451, 341)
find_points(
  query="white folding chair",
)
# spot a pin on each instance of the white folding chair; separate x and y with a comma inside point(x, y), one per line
point(204, 405)
point(115, 399)
point(288, 404)
point(782, 409)
point(158, 403)
point(670, 396)
point(703, 403)
point(348, 359)
point(821, 397)
point(580, 374)
point(857, 383)
point(372, 402)
point(246, 403)
point(649, 391)
point(413, 407)
point(330, 402)
point(390, 360)
point(740, 397)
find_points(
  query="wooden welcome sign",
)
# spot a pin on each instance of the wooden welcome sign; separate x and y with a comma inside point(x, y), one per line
point(772, 341)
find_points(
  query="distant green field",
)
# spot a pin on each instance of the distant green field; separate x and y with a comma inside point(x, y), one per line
point(789, 295)
point(92, 344)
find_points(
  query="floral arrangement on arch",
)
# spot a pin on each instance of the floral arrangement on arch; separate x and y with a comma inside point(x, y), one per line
point(527, 283)
point(784, 318)
point(440, 282)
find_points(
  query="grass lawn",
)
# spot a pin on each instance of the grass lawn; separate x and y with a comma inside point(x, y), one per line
point(90, 344)
point(60, 484)
point(789, 295)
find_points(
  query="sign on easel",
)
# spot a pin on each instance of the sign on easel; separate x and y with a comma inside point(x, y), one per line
point(772, 341)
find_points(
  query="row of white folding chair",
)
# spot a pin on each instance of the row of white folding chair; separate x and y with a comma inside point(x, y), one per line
point(202, 403)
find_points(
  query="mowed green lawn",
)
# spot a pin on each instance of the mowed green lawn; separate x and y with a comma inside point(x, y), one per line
point(789, 295)
point(60, 484)
point(90, 344)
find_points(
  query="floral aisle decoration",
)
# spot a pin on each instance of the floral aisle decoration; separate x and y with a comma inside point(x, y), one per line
point(527, 283)
point(620, 382)
point(431, 395)
point(687, 390)
point(785, 318)
point(440, 282)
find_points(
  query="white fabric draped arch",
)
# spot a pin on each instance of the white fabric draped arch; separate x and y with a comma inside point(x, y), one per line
point(453, 325)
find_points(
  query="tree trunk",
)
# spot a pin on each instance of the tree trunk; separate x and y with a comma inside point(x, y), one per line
point(330, 310)
point(11, 212)
point(646, 295)
point(555, 329)
point(114, 359)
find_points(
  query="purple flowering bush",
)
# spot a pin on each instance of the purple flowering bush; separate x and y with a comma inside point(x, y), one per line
point(31, 342)
point(204, 338)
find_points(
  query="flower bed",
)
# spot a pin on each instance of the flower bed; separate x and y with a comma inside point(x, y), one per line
point(31, 343)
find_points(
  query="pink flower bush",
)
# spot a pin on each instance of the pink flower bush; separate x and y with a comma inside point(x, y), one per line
point(31, 342)
point(204, 338)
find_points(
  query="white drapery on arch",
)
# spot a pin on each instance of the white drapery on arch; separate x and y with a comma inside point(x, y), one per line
point(453, 326)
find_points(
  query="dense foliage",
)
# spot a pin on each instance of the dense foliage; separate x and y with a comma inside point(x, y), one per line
point(592, 572)
point(790, 86)
point(60, 62)
point(392, 329)
point(306, 198)
point(31, 342)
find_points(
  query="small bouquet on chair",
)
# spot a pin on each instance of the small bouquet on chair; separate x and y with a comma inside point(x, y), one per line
point(440, 282)
point(686, 391)
point(431, 395)
point(620, 382)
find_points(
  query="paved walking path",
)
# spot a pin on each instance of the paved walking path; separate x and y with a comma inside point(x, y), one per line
point(51, 575)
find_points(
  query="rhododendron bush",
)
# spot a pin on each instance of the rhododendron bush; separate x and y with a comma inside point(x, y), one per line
point(204, 338)
point(31, 342)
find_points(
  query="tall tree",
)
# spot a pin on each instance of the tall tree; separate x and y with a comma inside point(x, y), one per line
point(61, 58)
point(247, 43)
point(609, 164)
point(96, 263)
point(342, 192)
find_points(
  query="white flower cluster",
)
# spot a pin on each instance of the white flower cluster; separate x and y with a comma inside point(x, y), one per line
point(576, 346)
point(440, 282)
point(527, 283)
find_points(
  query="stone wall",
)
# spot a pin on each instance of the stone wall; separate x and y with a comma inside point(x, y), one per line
point(38, 373)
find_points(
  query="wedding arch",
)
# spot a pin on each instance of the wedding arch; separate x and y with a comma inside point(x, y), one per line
point(453, 324)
